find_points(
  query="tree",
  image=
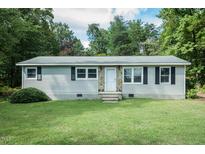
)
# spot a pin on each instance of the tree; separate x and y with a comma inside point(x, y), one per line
point(136, 35)
point(24, 34)
point(119, 40)
point(151, 39)
point(21, 38)
point(68, 44)
point(123, 38)
point(27, 33)
point(143, 35)
point(98, 38)
point(183, 36)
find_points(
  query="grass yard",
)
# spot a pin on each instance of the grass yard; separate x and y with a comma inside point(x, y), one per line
point(132, 121)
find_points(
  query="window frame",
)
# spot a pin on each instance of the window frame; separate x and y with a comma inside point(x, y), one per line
point(163, 75)
point(92, 73)
point(132, 75)
point(76, 73)
point(27, 73)
point(124, 75)
point(86, 73)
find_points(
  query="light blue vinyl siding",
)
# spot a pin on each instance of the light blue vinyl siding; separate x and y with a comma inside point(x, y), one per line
point(152, 90)
point(57, 84)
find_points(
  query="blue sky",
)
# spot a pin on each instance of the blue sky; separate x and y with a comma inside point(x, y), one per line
point(78, 19)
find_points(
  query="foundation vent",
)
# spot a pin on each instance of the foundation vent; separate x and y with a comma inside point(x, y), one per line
point(79, 95)
point(131, 95)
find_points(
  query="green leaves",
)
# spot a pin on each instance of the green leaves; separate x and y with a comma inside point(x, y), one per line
point(66, 42)
point(183, 36)
point(123, 38)
point(98, 38)
point(27, 33)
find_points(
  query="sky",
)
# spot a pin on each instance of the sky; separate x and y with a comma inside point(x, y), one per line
point(79, 19)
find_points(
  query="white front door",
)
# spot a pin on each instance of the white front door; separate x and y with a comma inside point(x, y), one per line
point(110, 79)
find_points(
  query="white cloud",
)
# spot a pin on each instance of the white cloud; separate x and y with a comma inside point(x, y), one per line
point(80, 18)
point(128, 14)
point(85, 43)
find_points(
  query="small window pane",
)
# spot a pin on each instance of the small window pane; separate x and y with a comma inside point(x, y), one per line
point(81, 70)
point(127, 71)
point(165, 71)
point(164, 78)
point(137, 78)
point(92, 76)
point(137, 75)
point(92, 73)
point(81, 75)
point(31, 73)
point(127, 78)
point(137, 72)
point(127, 74)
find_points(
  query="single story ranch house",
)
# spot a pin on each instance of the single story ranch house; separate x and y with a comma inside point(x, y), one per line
point(106, 77)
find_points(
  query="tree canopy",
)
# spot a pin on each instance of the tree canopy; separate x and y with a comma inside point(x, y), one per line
point(27, 33)
point(183, 35)
point(124, 38)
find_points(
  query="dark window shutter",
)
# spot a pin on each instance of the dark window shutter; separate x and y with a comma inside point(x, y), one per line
point(145, 75)
point(173, 75)
point(73, 73)
point(156, 75)
point(39, 73)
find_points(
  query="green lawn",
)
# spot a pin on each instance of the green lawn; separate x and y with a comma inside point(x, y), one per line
point(133, 121)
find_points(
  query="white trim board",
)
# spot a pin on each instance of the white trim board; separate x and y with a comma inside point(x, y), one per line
point(27, 73)
point(132, 75)
point(169, 75)
point(112, 64)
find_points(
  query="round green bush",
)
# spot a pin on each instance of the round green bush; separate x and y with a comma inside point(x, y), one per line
point(28, 95)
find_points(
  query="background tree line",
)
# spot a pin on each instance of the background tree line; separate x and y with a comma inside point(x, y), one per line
point(124, 38)
point(27, 33)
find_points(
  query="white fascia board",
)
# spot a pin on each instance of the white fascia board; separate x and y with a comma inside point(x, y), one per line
point(104, 64)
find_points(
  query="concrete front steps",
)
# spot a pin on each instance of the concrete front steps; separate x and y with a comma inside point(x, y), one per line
point(110, 96)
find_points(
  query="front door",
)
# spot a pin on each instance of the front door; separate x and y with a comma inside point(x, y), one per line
point(110, 79)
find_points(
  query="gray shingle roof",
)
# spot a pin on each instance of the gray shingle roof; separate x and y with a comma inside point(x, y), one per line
point(103, 60)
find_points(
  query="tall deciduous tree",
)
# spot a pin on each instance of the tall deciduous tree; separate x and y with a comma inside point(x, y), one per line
point(143, 36)
point(25, 34)
point(183, 35)
point(68, 43)
point(98, 38)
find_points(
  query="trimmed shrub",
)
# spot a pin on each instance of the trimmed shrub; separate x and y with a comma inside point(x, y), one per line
point(28, 95)
point(7, 91)
point(192, 93)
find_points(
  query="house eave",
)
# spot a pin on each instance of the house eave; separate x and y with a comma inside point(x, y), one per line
point(104, 64)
